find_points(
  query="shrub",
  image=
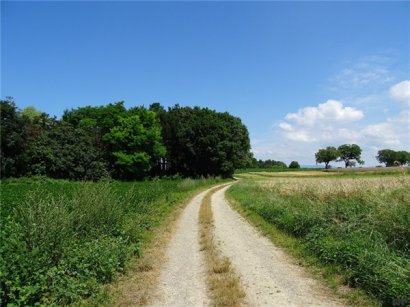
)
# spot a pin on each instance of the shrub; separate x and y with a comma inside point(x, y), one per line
point(294, 164)
point(61, 240)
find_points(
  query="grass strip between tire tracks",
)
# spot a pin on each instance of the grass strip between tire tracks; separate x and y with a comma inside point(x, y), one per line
point(224, 284)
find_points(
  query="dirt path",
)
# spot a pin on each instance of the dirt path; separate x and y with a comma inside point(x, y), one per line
point(183, 278)
point(268, 275)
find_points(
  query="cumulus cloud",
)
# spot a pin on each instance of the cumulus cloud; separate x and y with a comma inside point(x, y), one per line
point(285, 126)
point(330, 111)
point(366, 116)
point(300, 134)
point(393, 132)
point(324, 122)
point(401, 92)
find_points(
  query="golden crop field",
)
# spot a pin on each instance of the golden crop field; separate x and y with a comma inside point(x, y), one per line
point(334, 185)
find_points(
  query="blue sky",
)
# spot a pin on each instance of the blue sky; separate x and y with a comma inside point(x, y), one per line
point(301, 75)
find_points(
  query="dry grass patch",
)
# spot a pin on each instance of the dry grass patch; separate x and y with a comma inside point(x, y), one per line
point(223, 283)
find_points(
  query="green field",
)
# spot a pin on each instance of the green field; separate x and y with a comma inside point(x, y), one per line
point(62, 240)
point(359, 225)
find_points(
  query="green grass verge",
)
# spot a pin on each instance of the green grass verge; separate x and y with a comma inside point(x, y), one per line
point(359, 239)
point(62, 240)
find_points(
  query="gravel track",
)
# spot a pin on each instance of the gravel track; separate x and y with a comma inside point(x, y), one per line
point(268, 275)
point(183, 278)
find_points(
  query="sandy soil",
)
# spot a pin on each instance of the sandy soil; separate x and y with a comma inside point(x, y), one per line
point(183, 279)
point(268, 275)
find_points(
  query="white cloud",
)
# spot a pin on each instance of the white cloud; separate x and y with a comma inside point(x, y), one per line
point(365, 116)
point(324, 122)
point(401, 92)
point(302, 133)
point(328, 112)
point(394, 132)
point(285, 126)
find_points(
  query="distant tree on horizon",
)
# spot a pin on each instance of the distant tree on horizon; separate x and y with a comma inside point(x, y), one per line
point(393, 158)
point(327, 155)
point(350, 154)
point(294, 165)
point(269, 163)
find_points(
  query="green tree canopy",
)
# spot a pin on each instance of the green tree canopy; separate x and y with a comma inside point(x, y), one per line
point(326, 155)
point(294, 164)
point(392, 158)
point(254, 163)
point(31, 113)
point(92, 142)
point(137, 143)
point(65, 152)
point(12, 140)
point(203, 142)
point(349, 153)
point(403, 157)
point(101, 118)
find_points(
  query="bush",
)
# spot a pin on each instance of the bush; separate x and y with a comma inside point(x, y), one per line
point(61, 240)
point(294, 164)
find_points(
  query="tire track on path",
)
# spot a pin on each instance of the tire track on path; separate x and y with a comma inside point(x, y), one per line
point(182, 281)
point(268, 275)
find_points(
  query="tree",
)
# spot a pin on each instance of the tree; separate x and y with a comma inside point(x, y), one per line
point(202, 142)
point(386, 156)
point(12, 140)
point(101, 118)
point(326, 155)
point(254, 163)
point(98, 121)
point(63, 151)
point(137, 143)
point(31, 113)
point(294, 164)
point(348, 153)
point(403, 157)
point(393, 158)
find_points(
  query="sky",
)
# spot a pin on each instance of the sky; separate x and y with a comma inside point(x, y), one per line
point(300, 75)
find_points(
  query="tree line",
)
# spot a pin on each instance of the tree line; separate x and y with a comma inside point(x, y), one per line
point(350, 154)
point(255, 163)
point(89, 143)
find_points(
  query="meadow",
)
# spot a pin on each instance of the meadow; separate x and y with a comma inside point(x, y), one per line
point(356, 224)
point(62, 240)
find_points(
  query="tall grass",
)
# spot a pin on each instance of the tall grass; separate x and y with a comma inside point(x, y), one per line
point(61, 240)
point(359, 224)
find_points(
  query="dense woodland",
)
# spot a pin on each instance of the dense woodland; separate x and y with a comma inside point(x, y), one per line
point(90, 143)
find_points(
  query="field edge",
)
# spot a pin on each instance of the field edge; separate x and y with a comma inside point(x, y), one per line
point(329, 275)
